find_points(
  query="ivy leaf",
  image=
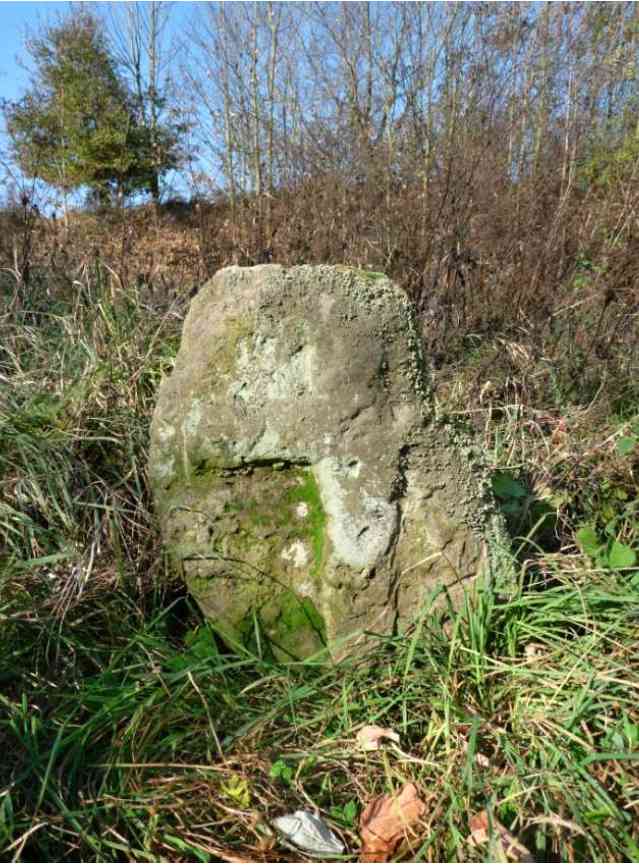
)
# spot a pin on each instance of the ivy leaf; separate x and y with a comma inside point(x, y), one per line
point(621, 556)
point(508, 488)
point(512, 507)
point(588, 540)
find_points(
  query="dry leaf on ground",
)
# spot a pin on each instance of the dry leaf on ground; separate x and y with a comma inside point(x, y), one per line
point(369, 737)
point(505, 848)
point(385, 821)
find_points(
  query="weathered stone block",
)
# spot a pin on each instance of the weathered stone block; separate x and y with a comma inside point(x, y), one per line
point(301, 480)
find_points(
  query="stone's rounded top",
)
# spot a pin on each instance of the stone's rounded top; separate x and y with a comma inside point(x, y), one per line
point(296, 469)
point(294, 364)
point(340, 284)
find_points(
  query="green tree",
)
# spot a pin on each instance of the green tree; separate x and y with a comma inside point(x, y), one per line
point(77, 125)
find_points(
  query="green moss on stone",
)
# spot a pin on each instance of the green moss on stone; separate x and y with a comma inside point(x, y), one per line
point(276, 511)
point(238, 548)
point(290, 626)
point(315, 521)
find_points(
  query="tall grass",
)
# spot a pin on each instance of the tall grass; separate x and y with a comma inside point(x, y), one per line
point(128, 733)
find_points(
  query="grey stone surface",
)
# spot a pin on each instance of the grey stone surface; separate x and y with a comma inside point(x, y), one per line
point(301, 481)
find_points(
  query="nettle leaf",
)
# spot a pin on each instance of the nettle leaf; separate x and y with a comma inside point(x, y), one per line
point(508, 488)
point(588, 540)
point(281, 771)
point(626, 445)
point(350, 811)
point(621, 556)
point(345, 814)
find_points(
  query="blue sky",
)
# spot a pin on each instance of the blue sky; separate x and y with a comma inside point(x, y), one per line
point(14, 19)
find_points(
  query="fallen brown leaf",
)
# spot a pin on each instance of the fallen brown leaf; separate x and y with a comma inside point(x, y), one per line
point(506, 846)
point(369, 737)
point(385, 821)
